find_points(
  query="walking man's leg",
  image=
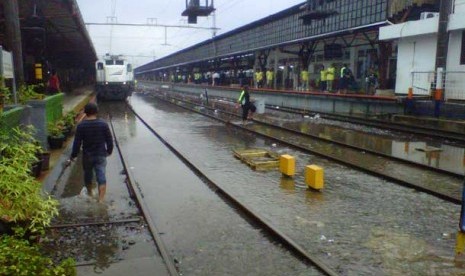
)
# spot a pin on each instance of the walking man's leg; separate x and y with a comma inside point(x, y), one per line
point(100, 168)
point(87, 167)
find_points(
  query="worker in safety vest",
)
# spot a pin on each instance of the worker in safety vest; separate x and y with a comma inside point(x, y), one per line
point(330, 74)
point(304, 79)
point(344, 79)
point(197, 77)
point(244, 102)
point(323, 78)
point(269, 78)
point(259, 78)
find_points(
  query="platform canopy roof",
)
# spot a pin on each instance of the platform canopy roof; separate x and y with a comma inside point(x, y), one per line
point(53, 30)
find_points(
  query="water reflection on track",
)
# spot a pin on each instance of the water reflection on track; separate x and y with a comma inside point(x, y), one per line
point(421, 178)
point(359, 224)
point(204, 235)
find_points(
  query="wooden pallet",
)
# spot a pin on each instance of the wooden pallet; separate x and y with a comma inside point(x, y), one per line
point(258, 159)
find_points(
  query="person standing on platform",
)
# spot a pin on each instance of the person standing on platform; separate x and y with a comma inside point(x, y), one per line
point(259, 78)
point(269, 78)
point(53, 86)
point(322, 78)
point(330, 72)
point(344, 79)
point(241, 77)
point(94, 136)
point(244, 101)
point(304, 79)
point(216, 78)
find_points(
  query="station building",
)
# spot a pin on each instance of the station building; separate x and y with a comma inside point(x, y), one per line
point(307, 37)
point(417, 48)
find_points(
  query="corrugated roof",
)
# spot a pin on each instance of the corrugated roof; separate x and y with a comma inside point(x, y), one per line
point(67, 40)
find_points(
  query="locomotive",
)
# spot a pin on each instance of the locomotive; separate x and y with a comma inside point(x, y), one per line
point(114, 78)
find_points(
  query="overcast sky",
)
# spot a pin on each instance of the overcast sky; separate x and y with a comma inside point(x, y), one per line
point(144, 44)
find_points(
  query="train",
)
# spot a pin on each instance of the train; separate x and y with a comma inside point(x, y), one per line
point(114, 78)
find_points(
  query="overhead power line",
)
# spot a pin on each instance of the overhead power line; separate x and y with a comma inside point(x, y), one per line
point(153, 25)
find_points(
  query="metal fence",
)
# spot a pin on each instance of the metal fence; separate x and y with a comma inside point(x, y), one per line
point(452, 82)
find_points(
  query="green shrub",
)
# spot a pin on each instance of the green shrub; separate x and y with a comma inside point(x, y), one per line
point(56, 129)
point(28, 92)
point(22, 200)
point(19, 257)
point(70, 119)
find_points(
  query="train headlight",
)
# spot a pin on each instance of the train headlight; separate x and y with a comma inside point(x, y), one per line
point(124, 82)
point(106, 83)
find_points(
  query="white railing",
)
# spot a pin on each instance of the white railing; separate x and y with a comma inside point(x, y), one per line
point(424, 83)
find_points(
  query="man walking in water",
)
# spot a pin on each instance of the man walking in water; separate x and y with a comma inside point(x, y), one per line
point(94, 135)
point(244, 101)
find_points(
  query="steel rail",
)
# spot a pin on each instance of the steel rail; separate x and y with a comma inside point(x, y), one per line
point(316, 137)
point(292, 246)
point(388, 177)
point(169, 262)
point(94, 223)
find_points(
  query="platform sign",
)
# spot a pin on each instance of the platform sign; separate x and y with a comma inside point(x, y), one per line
point(7, 70)
point(6, 65)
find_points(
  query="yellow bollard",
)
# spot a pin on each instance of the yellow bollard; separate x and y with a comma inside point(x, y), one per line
point(314, 177)
point(287, 165)
point(460, 244)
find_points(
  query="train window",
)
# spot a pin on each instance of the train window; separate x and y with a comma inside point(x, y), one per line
point(100, 66)
point(119, 62)
point(109, 62)
point(129, 68)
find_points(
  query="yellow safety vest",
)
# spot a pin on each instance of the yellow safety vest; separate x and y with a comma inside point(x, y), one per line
point(342, 71)
point(304, 75)
point(269, 75)
point(330, 73)
point(323, 75)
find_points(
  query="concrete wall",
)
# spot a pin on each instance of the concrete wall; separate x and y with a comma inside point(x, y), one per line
point(459, 6)
point(455, 80)
point(415, 54)
point(329, 103)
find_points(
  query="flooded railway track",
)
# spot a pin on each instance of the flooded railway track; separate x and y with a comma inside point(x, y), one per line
point(411, 175)
point(418, 130)
point(137, 196)
point(272, 124)
point(255, 219)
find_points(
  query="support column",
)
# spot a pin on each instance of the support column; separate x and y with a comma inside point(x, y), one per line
point(275, 67)
point(13, 37)
point(385, 51)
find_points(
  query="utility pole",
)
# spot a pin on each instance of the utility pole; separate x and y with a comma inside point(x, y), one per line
point(13, 37)
point(445, 7)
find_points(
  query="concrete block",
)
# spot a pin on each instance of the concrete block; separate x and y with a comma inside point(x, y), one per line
point(287, 165)
point(314, 177)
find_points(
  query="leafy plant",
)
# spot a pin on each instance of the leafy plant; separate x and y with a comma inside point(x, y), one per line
point(55, 129)
point(70, 119)
point(5, 94)
point(22, 199)
point(19, 257)
point(28, 92)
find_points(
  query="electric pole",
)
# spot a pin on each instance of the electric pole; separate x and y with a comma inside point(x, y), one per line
point(443, 35)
